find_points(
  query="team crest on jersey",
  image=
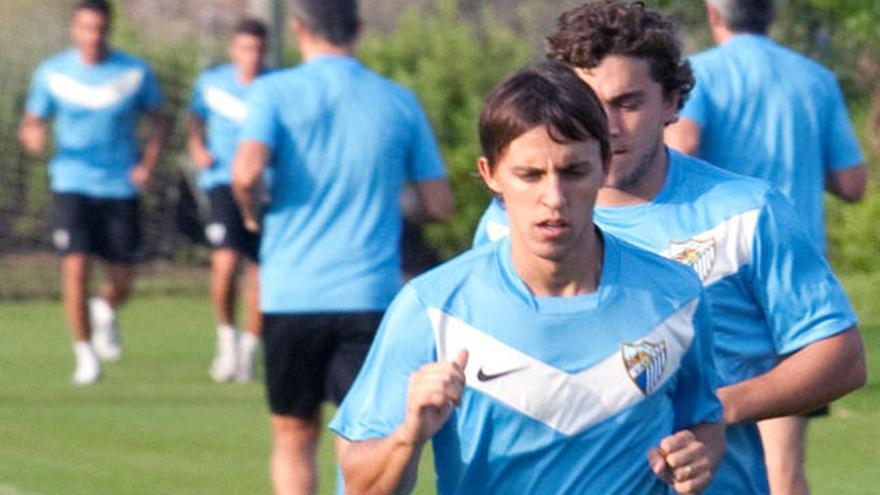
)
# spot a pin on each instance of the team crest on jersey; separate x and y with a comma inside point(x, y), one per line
point(695, 253)
point(645, 362)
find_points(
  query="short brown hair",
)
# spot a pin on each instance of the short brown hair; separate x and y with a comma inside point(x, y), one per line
point(587, 34)
point(252, 27)
point(548, 94)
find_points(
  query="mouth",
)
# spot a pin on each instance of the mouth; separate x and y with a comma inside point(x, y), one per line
point(553, 228)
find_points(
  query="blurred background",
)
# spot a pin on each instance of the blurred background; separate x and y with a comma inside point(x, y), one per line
point(450, 52)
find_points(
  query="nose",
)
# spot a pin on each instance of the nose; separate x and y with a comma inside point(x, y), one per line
point(613, 122)
point(553, 194)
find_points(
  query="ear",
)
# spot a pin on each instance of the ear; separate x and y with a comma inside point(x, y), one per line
point(713, 15)
point(488, 175)
point(670, 108)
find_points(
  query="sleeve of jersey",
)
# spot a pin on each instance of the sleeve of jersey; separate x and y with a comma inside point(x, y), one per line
point(842, 146)
point(197, 103)
point(260, 122)
point(801, 298)
point(695, 106)
point(694, 398)
point(151, 97)
point(39, 101)
point(376, 403)
point(424, 161)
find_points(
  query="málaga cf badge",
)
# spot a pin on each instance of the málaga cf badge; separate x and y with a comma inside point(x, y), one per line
point(645, 362)
point(697, 254)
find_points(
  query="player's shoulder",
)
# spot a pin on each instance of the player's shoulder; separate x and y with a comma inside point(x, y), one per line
point(644, 269)
point(127, 60)
point(449, 277)
point(705, 181)
point(60, 61)
point(218, 71)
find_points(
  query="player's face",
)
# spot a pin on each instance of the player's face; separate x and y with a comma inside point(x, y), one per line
point(549, 190)
point(247, 53)
point(637, 113)
point(89, 30)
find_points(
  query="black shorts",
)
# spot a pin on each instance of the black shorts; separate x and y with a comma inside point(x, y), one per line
point(105, 227)
point(225, 228)
point(313, 357)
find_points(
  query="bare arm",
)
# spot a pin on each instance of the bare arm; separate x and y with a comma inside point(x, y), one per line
point(250, 160)
point(429, 201)
point(388, 465)
point(158, 132)
point(848, 184)
point(32, 133)
point(809, 378)
point(683, 136)
point(195, 142)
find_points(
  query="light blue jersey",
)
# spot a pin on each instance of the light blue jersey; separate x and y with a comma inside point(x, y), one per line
point(219, 99)
point(563, 394)
point(96, 110)
point(344, 141)
point(772, 293)
point(766, 111)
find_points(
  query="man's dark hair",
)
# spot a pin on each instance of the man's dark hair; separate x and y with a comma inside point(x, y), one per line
point(102, 7)
point(336, 21)
point(251, 26)
point(587, 34)
point(746, 16)
point(547, 94)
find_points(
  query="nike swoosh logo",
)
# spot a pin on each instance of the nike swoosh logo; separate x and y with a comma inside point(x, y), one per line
point(483, 377)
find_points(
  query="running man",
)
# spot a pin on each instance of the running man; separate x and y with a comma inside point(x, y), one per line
point(786, 339)
point(217, 111)
point(763, 110)
point(341, 143)
point(559, 360)
point(95, 95)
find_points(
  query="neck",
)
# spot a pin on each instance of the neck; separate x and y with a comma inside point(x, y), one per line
point(91, 58)
point(579, 273)
point(247, 76)
point(312, 47)
point(721, 33)
point(645, 190)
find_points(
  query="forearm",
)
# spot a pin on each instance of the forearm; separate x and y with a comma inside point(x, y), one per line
point(809, 378)
point(247, 181)
point(155, 140)
point(380, 466)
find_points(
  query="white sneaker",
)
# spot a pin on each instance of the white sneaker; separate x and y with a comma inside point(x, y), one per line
point(105, 332)
point(88, 368)
point(223, 367)
point(247, 350)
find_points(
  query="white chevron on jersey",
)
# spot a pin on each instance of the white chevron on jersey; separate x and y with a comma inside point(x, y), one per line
point(225, 104)
point(719, 251)
point(567, 402)
point(496, 230)
point(95, 97)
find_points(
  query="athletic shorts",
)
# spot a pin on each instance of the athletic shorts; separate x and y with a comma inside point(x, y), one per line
point(313, 357)
point(105, 227)
point(225, 228)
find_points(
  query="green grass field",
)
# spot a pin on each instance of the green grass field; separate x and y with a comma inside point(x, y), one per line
point(158, 425)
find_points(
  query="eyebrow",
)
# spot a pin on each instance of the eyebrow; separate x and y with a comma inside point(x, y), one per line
point(638, 93)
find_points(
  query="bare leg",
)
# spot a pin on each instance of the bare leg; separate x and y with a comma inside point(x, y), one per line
point(254, 319)
point(294, 449)
point(116, 289)
point(783, 440)
point(223, 266)
point(75, 272)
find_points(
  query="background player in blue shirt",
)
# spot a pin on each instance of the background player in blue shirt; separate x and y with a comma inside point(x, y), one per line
point(217, 111)
point(766, 111)
point(785, 338)
point(559, 360)
point(341, 143)
point(95, 96)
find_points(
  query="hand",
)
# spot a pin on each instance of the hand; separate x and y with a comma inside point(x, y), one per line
point(201, 157)
point(434, 391)
point(252, 224)
point(32, 136)
point(140, 176)
point(683, 462)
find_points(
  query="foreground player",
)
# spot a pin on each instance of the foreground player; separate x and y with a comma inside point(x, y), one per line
point(786, 338)
point(341, 143)
point(217, 110)
point(553, 361)
point(95, 95)
point(765, 111)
